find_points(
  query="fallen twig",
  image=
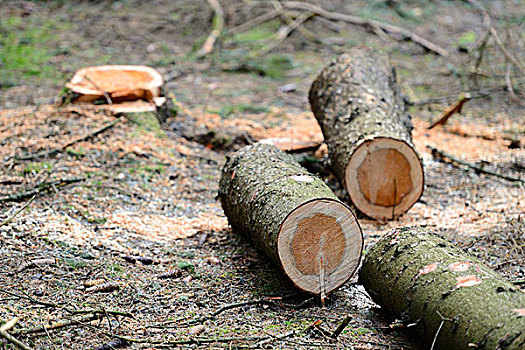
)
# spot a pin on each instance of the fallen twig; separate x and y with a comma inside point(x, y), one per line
point(89, 315)
point(284, 31)
point(341, 326)
point(442, 154)
point(8, 220)
point(488, 23)
point(254, 22)
point(3, 332)
point(102, 312)
point(218, 24)
point(57, 150)
point(473, 94)
point(289, 20)
point(40, 188)
point(388, 28)
point(33, 300)
point(450, 111)
point(57, 325)
point(35, 263)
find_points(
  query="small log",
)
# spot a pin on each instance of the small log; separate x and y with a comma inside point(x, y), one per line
point(451, 299)
point(368, 132)
point(292, 217)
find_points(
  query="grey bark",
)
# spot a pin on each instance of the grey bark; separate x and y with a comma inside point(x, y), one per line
point(356, 98)
point(257, 192)
point(450, 296)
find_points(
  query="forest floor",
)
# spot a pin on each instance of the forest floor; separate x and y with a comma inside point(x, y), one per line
point(135, 207)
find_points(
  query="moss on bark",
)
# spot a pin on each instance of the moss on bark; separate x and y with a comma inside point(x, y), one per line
point(424, 280)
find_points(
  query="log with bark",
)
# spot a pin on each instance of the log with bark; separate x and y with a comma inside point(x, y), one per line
point(292, 217)
point(451, 299)
point(363, 117)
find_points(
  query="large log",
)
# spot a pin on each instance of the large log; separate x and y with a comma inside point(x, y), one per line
point(292, 217)
point(448, 296)
point(368, 132)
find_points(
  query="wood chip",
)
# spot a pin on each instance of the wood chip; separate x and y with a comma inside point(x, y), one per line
point(105, 287)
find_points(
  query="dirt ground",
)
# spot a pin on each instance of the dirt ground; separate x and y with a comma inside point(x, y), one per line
point(135, 205)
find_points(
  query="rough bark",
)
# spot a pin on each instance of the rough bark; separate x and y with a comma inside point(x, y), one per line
point(270, 198)
point(448, 296)
point(358, 105)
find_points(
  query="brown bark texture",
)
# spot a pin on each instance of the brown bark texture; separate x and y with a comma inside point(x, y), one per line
point(449, 296)
point(356, 100)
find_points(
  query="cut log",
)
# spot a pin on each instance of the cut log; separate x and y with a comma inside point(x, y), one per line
point(368, 131)
point(450, 298)
point(292, 217)
point(119, 83)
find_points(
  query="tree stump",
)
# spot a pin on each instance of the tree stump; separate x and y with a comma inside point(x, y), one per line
point(118, 83)
point(448, 296)
point(363, 117)
point(292, 217)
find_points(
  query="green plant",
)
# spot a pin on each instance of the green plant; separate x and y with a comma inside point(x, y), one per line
point(22, 50)
point(78, 152)
point(146, 122)
point(35, 168)
point(264, 31)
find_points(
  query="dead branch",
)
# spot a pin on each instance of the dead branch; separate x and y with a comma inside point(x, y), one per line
point(508, 82)
point(289, 20)
point(40, 188)
point(31, 299)
point(8, 220)
point(3, 332)
point(473, 94)
point(57, 150)
point(254, 22)
point(35, 263)
point(218, 25)
point(442, 155)
point(450, 111)
point(284, 31)
point(388, 28)
point(102, 312)
point(341, 326)
point(488, 23)
point(57, 325)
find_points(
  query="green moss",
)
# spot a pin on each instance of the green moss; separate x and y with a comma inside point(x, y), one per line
point(78, 152)
point(467, 38)
point(146, 122)
point(22, 49)
point(75, 264)
point(35, 168)
point(229, 109)
point(264, 31)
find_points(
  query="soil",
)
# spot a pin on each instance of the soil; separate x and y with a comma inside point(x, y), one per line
point(141, 212)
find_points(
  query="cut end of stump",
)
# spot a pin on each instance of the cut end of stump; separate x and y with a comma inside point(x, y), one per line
point(120, 82)
point(384, 178)
point(320, 245)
